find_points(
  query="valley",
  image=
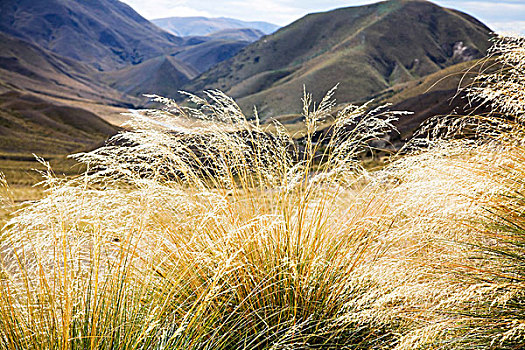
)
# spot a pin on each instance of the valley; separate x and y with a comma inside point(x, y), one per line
point(92, 66)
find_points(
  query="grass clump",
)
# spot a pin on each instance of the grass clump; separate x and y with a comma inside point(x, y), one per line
point(215, 233)
point(214, 236)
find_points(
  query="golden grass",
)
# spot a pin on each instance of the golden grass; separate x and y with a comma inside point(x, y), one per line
point(222, 235)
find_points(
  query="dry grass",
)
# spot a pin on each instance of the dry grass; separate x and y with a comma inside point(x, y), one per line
point(222, 235)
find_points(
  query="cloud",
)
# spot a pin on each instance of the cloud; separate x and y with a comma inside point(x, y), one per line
point(508, 27)
point(281, 12)
point(166, 8)
point(488, 10)
point(501, 16)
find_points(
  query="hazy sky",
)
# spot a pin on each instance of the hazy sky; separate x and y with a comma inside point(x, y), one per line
point(506, 15)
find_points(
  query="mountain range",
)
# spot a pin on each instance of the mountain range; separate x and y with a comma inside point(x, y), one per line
point(98, 57)
point(199, 26)
point(366, 49)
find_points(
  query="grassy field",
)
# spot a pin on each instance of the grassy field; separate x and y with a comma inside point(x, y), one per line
point(222, 235)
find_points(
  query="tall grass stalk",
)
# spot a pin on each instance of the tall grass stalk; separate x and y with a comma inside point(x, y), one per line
point(220, 235)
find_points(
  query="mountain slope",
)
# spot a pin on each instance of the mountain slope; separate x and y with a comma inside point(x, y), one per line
point(210, 52)
point(203, 52)
point(27, 67)
point(439, 94)
point(106, 34)
point(241, 34)
point(193, 26)
point(366, 49)
point(32, 125)
point(162, 75)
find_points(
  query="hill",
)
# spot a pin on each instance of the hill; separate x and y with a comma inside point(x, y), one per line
point(106, 34)
point(27, 67)
point(366, 49)
point(439, 94)
point(29, 124)
point(165, 75)
point(32, 125)
point(195, 26)
point(203, 52)
point(209, 51)
point(160, 75)
point(242, 34)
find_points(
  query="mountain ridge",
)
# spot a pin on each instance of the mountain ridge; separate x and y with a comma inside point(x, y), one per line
point(25, 66)
point(198, 26)
point(106, 34)
point(364, 48)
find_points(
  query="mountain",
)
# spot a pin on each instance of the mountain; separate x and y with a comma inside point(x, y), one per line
point(195, 26)
point(242, 34)
point(165, 75)
point(366, 49)
point(161, 75)
point(209, 52)
point(28, 67)
point(29, 124)
point(203, 52)
point(106, 34)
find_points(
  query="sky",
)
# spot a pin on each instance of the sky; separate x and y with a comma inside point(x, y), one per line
point(502, 16)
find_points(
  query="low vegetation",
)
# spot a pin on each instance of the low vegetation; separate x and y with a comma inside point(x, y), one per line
point(223, 235)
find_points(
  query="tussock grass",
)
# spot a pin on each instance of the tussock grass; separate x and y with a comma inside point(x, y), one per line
point(224, 235)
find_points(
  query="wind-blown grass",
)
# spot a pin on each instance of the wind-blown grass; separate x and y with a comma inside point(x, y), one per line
point(224, 235)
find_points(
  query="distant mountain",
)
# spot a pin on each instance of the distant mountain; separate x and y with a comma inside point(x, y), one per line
point(106, 34)
point(205, 51)
point(242, 34)
point(366, 49)
point(26, 65)
point(161, 75)
point(165, 75)
point(195, 26)
point(209, 52)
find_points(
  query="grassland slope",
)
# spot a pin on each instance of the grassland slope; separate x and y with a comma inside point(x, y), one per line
point(366, 49)
point(28, 67)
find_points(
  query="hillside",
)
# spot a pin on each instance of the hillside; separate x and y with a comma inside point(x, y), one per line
point(209, 52)
point(366, 49)
point(29, 124)
point(242, 34)
point(195, 26)
point(439, 94)
point(27, 67)
point(161, 75)
point(106, 34)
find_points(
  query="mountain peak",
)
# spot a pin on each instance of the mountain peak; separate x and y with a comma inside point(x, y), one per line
point(366, 49)
point(107, 34)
